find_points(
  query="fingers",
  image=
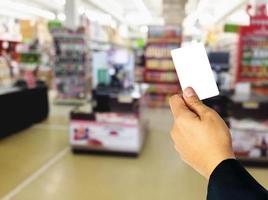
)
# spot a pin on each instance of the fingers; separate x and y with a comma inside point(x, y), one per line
point(179, 109)
point(193, 102)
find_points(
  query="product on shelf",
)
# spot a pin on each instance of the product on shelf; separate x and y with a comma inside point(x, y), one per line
point(45, 74)
point(156, 100)
point(161, 77)
point(114, 124)
point(72, 66)
point(160, 51)
point(253, 50)
point(163, 88)
point(139, 64)
point(5, 73)
point(250, 139)
point(159, 69)
point(8, 50)
point(29, 64)
point(161, 65)
point(164, 32)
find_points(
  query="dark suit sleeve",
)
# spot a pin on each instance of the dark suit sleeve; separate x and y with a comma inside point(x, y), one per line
point(231, 181)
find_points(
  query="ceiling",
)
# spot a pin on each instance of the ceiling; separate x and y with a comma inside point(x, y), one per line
point(144, 12)
point(160, 11)
point(136, 12)
point(174, 11)
point(209, 13)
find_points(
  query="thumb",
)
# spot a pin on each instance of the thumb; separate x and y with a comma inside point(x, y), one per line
point(193, 102)
point(179, 108)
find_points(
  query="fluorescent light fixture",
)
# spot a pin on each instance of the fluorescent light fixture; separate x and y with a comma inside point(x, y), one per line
point(27, 9)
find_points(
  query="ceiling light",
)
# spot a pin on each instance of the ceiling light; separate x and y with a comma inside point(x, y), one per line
point(23, 8)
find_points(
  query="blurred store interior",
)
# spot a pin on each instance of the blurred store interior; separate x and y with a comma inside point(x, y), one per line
point(84, 89)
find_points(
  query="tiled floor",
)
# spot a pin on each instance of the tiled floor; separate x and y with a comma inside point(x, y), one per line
point(36, 164)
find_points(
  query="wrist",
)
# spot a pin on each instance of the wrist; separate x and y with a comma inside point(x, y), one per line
point(216, 163)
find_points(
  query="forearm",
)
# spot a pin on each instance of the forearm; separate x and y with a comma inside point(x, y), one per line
point(231, 181)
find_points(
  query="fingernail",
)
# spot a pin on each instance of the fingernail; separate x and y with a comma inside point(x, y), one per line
point(189, 92)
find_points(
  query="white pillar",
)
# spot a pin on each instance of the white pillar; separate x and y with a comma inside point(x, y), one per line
point(72, 14)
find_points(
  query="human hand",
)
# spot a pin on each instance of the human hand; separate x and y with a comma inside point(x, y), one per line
point(201, 137)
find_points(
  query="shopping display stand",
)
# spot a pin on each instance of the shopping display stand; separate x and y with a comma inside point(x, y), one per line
point(160, 72)
point(22, 107)
point(72, 67)
point(115, 125)
point(249, 128)
point(253, 49)
point(249, 112)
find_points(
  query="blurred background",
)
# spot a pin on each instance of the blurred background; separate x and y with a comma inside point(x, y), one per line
point(84, 88)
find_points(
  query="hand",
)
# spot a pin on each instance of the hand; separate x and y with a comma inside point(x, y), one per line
point(201, 137)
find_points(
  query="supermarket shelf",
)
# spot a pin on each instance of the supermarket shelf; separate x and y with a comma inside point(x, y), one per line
point(159, 70)
point(252, 79)
point(71, 67)
point(67, 36)
point(101, 151)
point(156, 103)
point(108, 44)
point(10, 40)
point(164, 40)
point(163, 89)
point(254, 162)
point(161, 93)
point(69, 101)
point(158, 58)
point(161, 82)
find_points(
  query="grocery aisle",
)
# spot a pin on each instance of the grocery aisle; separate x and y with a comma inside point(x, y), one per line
point(157, 174)
point(89, 75)
point(25, 152)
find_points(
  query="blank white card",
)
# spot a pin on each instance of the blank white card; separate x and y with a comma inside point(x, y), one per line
point(194, 70)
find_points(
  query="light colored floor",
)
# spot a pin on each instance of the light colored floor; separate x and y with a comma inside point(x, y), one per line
point(37, 164)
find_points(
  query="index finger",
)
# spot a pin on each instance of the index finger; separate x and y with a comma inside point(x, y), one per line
point(179, 108)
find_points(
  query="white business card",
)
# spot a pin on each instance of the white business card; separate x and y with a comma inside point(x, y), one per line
point(194, 70)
